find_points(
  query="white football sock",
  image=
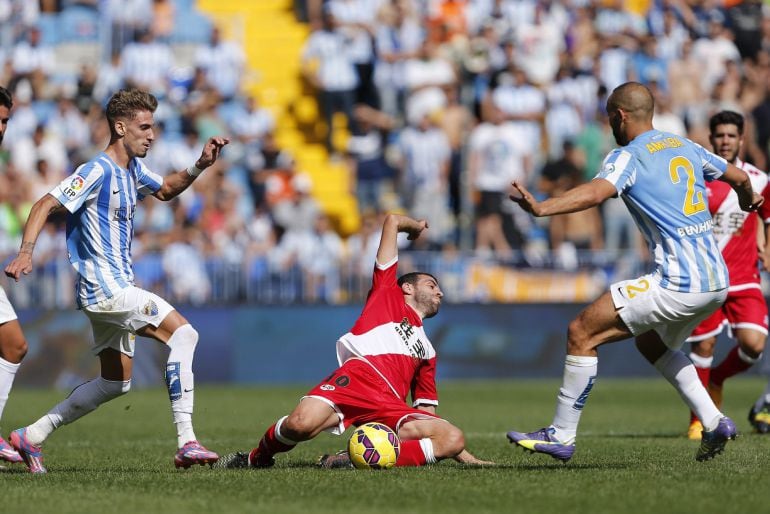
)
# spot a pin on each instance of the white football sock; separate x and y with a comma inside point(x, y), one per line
point(282, 438)
point(426, 445)
point(747, 358)
point(7, 374)
point(82, 400)
point(701, 362)
point(180, 381)
point(579, 377)
point(680, 372)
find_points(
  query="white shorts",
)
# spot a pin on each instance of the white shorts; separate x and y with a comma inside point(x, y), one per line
point(6, 309)
point(115, 321)
point(644, 305)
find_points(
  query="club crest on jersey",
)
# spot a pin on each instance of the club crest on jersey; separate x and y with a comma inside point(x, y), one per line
point(74, 187)
point(150, 309)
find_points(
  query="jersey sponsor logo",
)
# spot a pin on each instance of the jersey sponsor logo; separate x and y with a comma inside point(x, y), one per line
point(74, 187)
point(694, 230)
point(609, 168)
point(729, 223)
point(124, 213)
point(327, 387)
point(415, 348)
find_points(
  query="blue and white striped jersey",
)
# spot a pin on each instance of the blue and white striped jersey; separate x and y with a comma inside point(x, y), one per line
point(660, 176)
point(101, 198)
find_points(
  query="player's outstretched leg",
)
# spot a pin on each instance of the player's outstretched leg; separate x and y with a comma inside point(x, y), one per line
point(272, 442)
point(31, 454)
point(543, 441)
point(7, 453)
point(713, 441)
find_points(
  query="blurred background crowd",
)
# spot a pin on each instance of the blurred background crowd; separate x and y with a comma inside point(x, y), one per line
point(428, 107)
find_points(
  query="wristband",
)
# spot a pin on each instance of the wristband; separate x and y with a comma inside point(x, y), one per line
point(194, 171)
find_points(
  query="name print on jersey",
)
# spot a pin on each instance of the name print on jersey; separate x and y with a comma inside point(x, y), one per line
point(405, 330)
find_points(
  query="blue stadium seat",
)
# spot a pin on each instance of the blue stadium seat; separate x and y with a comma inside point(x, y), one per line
point(184, 6)
point(191, 27)
point(79, 24)
point(48, 23)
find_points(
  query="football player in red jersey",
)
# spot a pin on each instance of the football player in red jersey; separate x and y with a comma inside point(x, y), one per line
point(383, 358)
point(744, 310)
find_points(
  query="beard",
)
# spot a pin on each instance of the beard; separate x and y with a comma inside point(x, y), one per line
point(427, 304)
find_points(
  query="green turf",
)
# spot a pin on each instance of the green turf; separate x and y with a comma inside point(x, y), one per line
point(631, 457)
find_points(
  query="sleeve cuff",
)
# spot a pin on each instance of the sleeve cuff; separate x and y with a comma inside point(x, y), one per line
point(424, 401)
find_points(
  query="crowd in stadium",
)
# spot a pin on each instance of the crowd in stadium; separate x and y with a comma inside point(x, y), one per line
point(447, 102)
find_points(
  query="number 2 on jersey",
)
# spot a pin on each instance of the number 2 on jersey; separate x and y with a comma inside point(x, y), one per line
point(693, 202)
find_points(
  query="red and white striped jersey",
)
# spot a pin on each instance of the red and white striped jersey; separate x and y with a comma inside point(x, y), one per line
point(389, 336)
point(736, 230)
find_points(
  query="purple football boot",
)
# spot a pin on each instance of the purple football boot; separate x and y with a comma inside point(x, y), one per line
point(543, 441)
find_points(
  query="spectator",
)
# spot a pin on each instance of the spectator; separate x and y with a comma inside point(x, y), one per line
point(146, 63)
point(356, 18)
point(33, 61)
point(497, 158)
point(424, 176)
point(371, 176)
point(398, 38)
point(223, 63)
point(335, 78)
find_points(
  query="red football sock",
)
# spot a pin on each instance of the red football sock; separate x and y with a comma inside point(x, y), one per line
point(732, 365)
point(411, 454)
point(703, 375)
point(269, 445)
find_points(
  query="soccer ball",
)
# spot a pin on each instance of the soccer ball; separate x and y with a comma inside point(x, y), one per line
point(374, 446)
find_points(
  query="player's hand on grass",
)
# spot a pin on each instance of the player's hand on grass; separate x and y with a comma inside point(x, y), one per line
point(211, 151)
point(21, 264)
point(465, 457)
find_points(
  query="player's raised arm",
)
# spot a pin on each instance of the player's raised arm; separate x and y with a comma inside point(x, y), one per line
point(181, 180)
point(22, 263)
point(395, 223)
point(749, 199)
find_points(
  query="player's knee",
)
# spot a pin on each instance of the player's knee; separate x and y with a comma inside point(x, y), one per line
point(753, 345)
point(577, 337)
point(115, 388)
point(13, 349)
point(453, 441)
point(185, 335)
point(298, 427)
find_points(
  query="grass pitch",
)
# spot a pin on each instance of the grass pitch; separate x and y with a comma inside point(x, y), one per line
point(631, 457)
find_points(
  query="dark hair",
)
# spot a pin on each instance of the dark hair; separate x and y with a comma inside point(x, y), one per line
point(413, 277)
point(726, 118)
point(5, 98)
point(126, 103)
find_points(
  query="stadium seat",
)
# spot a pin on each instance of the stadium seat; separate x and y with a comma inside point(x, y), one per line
point(191, 27)
point(78, 24)
point(48, 23)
